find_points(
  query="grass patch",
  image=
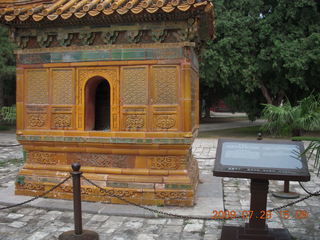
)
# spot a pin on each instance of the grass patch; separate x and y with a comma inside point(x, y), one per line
point(4, 128)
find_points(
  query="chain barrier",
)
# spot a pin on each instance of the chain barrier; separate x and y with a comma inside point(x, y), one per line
point(34, 198)
point(109, 193)
point(307, 191)
point(10, 145)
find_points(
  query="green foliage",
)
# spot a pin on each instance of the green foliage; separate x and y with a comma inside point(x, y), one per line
point(287, 119)
point(7, 67)
point(312, 151)
point(264, 51)
point(8, 114)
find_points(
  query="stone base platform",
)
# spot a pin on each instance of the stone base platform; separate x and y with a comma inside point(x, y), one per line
point(147, 174)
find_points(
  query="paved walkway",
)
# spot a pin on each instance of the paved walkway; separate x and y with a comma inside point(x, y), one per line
point(32, 223)
point(227, 125)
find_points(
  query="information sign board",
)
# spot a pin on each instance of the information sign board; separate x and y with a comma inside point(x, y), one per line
point(261, 159)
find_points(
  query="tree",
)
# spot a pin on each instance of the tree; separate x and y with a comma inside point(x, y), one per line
point(7, 66)
point(264, 51)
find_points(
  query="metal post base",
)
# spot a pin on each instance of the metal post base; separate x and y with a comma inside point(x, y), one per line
point(241, 233)
point(286, 195)
point(86, 235)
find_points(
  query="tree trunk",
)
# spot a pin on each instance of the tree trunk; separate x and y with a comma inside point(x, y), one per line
point(266, 94)
point(274, 101)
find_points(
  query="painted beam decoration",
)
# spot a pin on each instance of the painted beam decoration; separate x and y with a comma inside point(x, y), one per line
point(113, 85)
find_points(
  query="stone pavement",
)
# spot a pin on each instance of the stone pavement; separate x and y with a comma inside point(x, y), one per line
point(33, 223)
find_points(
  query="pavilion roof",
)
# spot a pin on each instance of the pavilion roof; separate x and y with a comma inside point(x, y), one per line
point(20, 12)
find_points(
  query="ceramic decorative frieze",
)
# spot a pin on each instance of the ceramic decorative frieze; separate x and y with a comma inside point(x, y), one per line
point(65, 38)
point(100, 160)
point(127, 35)
point(109, 37)
point(167, 162)
point(42, 157)
point(159, 35)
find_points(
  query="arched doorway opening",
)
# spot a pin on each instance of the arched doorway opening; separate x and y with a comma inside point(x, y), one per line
point(97, 104)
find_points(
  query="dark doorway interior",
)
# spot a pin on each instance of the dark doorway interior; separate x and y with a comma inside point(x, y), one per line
point(97, 104)
point(102, 111)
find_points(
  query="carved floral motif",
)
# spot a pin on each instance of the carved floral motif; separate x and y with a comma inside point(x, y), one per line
point(170, 195)
point(167, 162)
point(62, 120)
point(36, 120)
point(165, 122)
point(134, 121)
point(42, 158)
point(31, 186)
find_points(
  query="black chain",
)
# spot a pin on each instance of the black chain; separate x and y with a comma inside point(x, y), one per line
point(34, 198)
point(110, 194)
point(307, 191)
point(10, 145)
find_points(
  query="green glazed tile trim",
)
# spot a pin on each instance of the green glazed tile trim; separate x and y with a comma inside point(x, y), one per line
point(102, 55)
point(106, 140)
point(178, 186)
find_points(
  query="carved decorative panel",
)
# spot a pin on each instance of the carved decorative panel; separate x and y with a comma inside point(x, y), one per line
point(37, 86)
point(36, 120)
point(62, 86)
point(165, 85)
point(42, 158)
point(31, 186)
point(165, 118)
point(135, 85)
point(171, 195)
point(167, 162)
point(134, 121)
point(100, 160)
point(165, 121)
point(61, 120)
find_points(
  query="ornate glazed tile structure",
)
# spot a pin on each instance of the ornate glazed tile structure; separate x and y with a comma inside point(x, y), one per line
point(112, 84)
